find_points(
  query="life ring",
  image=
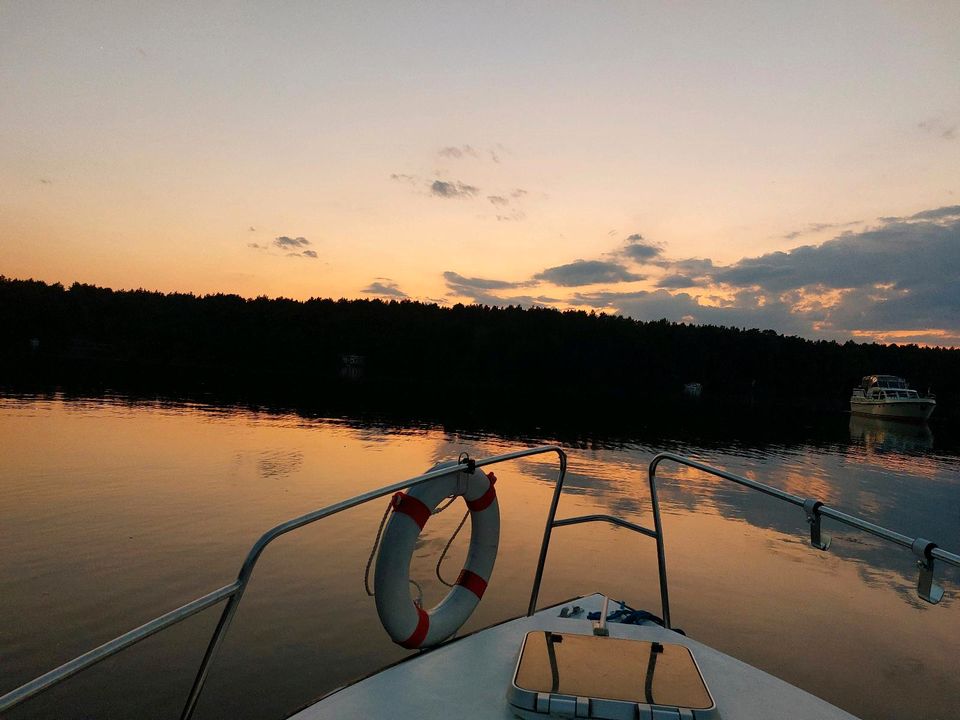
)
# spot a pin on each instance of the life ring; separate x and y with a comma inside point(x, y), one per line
point(408, 624)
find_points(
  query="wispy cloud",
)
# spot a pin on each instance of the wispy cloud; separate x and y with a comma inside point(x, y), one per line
point(285, 242)
point(813, 228)
point(452, 189)
point(939, 127)
point(384, 287)
point(587, 272)
point(456, 152)
point(291, 246)
point(460, 281)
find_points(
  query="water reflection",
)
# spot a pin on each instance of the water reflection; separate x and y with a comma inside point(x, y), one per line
point(879, 435)
point(135, 506)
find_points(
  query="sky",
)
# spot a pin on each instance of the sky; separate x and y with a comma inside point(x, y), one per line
point(786, 166)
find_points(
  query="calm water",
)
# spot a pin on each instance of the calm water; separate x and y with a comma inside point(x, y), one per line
point(112, 512)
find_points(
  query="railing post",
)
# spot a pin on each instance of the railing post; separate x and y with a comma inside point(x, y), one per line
point(545, 543)
point(661, 553)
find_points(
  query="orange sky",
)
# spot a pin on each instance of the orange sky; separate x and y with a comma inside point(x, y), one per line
point(330, 150)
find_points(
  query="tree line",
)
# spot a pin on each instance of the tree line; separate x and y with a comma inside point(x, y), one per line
point(361, 353)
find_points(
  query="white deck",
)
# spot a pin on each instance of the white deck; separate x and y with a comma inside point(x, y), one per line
point(468, 678)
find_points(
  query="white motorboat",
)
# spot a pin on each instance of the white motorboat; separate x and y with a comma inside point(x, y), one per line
point(589, 657)
point(888, 396)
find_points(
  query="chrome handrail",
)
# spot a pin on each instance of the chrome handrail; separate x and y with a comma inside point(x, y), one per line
point(927, 552)
point(234, 591)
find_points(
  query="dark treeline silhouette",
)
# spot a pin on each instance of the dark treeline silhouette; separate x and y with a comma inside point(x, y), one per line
point(370, 354)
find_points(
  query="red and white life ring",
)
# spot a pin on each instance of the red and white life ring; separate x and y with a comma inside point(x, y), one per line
point(408, 624)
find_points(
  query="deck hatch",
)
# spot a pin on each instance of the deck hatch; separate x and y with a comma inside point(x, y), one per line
point(594, 668)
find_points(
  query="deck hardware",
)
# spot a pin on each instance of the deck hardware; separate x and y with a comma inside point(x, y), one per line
point(927, 588)
point(600, 626)
point(818, 539)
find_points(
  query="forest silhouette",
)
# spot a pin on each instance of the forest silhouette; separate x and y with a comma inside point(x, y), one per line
point(363, 355)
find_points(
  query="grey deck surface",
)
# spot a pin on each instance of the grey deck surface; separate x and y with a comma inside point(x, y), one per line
point(469, 678)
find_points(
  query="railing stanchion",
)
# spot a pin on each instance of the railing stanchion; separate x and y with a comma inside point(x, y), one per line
point(545, 543)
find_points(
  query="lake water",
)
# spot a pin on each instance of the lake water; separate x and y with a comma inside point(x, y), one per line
point(115, 511)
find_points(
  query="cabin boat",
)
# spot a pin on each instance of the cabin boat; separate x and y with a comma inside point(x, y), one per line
point(589, 657)
point(888, 396)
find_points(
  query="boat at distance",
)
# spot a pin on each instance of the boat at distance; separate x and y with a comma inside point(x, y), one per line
point(589, 657)
point(889, 396)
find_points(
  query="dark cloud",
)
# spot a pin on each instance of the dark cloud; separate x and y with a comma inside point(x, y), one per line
point(498, 200)
point(745, 310)
point(452, 189)
point(587, 272)
point(286, 243)
point(680, 281)
point(891, 283)
point(641, 251)
point(309, 254)
point(457, 152)
point(257, 246)
point(401, 177)
point(918, 253)
point(384, 287)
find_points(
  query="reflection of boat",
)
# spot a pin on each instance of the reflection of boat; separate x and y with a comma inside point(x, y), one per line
point(579, 659)
point(889, 396)
point(882, 434)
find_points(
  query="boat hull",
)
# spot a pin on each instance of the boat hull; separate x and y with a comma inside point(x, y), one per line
point(915, 409)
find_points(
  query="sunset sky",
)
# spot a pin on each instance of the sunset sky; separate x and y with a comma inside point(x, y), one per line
point(793, 166)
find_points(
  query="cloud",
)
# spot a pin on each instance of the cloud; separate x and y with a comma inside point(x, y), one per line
point(286, 243)
point(498, 200)
point(452, 189)
point(939, 127)
point(819, 227)
point(384, 287)
point(460, 281)
point(587, 272)
point(309, 254)
point(480, 291)
point(745, 310)
point(257, 246)
point(45, 181)
point(678, 280)
point(403, 178)
point(915, 252)
point(252, 229)
point(639, 250)
point(457, 152)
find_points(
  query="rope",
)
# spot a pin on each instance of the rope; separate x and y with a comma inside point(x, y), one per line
point(373, 551)
point(449, 543)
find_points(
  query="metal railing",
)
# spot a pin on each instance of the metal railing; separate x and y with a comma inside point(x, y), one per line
point(233, 592)
point(926, 552)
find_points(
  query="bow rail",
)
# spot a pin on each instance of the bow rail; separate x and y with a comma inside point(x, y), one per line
point(926, 551)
